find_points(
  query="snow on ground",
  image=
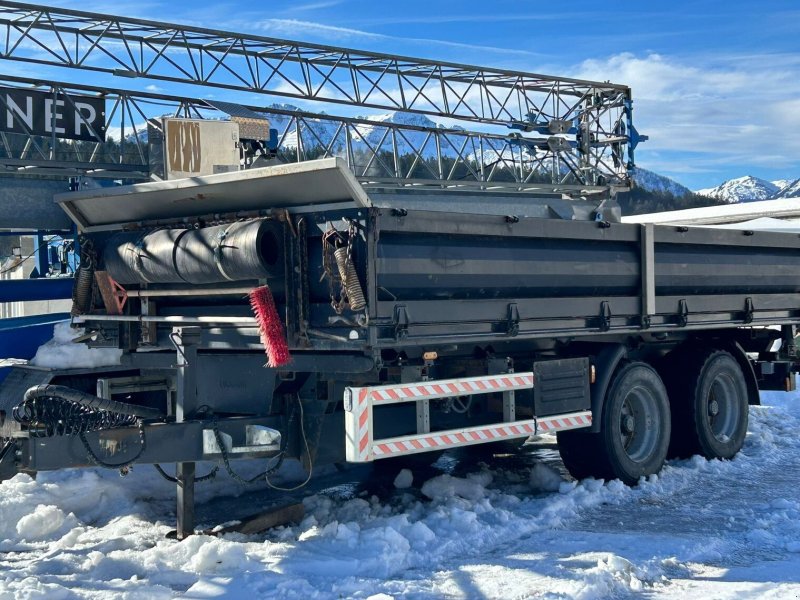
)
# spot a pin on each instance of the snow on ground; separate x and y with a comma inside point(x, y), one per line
point(512, 529)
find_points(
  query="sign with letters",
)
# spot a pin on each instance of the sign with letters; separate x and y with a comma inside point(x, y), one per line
point(44, 113)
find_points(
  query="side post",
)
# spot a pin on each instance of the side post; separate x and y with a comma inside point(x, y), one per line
point(186, 340)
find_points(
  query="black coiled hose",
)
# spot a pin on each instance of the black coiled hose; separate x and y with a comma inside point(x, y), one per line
point(50, 410)
point(82, 299)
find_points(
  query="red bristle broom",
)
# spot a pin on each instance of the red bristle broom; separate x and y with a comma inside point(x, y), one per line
point(269, 325)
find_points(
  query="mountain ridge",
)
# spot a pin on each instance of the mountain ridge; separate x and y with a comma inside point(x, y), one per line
point(752, 189)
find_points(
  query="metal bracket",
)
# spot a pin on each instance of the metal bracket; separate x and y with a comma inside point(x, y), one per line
point(683, 313)
point(748, 310)
point(512, 320)
point(401, 321)
point(113, 294)
point(218, 257)
point(605, 316)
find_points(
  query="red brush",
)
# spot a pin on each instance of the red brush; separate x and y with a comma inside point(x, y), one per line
point(269, 324)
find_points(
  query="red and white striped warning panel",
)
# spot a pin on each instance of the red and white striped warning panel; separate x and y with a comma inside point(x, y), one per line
point(359, 402)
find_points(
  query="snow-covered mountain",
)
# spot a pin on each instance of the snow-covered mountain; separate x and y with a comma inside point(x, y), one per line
point(790, 190)
point(749, 189)
point(329, 133)
point(653, 182)
point(742, 189)
point(782, 183)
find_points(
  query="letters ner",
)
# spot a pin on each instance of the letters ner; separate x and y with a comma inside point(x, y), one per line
point(42, 113)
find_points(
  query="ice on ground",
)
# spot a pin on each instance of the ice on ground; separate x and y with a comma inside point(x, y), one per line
point(447, 486)
point(404, 479)
point(62, 353)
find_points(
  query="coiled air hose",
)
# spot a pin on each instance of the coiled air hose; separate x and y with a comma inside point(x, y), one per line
point(51, 410)
point(349, 277)
point(84, 278)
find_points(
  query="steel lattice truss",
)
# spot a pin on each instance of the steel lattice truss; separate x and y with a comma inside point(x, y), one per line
point(586, 124)
point(378, 152)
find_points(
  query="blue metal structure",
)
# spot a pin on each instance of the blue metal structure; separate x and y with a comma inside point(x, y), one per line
point(54, 255)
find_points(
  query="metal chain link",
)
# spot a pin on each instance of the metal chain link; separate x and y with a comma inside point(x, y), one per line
point(99, 462)
point(234, 475)
point(208, 476)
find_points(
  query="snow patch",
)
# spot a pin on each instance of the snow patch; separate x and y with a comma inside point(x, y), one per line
point(404, 479)
point(62, 353)
point(545, 479)
point(43, 522)
point(447, 486)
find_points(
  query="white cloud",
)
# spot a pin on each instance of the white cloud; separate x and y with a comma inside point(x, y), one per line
point(294, 27)
point(726, 110)
point(299, 29)
point(316, 5)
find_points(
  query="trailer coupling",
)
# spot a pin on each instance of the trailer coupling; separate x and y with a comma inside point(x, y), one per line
point(63, 427)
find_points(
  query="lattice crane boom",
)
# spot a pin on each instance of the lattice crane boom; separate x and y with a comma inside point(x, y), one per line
point(149, 49)
point(580, 133)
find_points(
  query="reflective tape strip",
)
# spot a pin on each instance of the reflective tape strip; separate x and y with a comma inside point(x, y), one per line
point(563, 422)
point(444, 388)
point(358, 426)
point(476, 435)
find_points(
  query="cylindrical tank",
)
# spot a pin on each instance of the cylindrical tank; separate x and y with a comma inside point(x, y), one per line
point(236, 251)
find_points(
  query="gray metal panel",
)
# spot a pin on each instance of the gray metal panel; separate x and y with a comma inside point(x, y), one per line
point(283, 186)
point(28, 204)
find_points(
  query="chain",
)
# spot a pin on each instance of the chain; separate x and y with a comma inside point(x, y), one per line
point(99, 462)
point(210, 475)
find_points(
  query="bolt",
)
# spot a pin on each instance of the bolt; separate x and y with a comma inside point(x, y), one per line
point(713, 408)
point(628, 424)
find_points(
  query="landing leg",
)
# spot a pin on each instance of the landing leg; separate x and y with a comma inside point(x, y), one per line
point(185, 474)
point(186, 340)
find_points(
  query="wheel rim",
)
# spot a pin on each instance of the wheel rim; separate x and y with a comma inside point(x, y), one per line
point(640, 424)
point(722, 411)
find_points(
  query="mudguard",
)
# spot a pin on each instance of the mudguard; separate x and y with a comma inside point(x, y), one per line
point(605, 363)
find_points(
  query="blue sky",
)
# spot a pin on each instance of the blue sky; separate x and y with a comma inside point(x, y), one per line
point(716, 83)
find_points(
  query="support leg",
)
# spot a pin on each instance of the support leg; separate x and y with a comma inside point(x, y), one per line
point(186, 340)
point(185, 472)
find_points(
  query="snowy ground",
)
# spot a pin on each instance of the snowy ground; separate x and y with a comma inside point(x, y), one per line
point(512, 529)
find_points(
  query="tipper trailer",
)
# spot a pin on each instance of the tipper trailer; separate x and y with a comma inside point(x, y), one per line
point(415, 286)
point(408, 330)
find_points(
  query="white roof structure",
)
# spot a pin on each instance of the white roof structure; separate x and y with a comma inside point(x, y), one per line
point(785, 208)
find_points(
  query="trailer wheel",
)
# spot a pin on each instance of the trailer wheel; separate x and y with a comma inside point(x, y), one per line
point(709, 407)
point(634, 433)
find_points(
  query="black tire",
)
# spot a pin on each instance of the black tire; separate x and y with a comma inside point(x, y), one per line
point(634, 431)
point(709, 406)
point(579, 451)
